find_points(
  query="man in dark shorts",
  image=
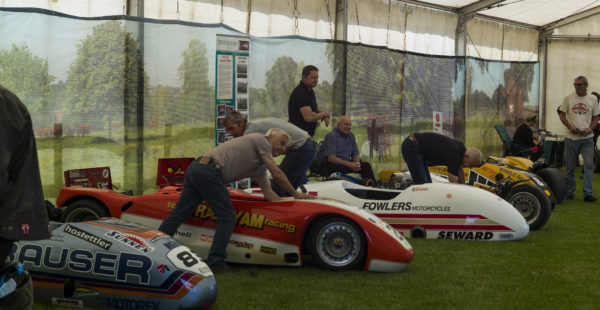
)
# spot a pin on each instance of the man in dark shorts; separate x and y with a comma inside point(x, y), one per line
point(422, 149)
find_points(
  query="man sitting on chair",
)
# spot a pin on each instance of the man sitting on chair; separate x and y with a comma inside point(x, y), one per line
point(341, 151)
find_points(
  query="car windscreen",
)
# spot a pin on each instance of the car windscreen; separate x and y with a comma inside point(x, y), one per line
point(371, 194)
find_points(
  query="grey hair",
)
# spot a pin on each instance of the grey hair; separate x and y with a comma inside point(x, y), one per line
point(235, 117)
point(278, 132)
point(581, 77)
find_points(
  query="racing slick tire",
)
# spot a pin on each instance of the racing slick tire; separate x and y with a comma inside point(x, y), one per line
point(84, 210)
point(532, 203)
point(556, 181)
point(337, 243)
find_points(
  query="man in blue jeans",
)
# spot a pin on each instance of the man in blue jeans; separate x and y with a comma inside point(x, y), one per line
point(302, 149)
point(579, 113)
point(205, 179)
point(422, 149)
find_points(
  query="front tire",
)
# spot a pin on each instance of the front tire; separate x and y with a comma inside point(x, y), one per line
point(84, 210)
point(337, 243)
point(555, 181)
point(532, 203)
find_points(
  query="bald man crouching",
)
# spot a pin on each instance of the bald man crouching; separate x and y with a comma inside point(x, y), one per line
point(422, 149)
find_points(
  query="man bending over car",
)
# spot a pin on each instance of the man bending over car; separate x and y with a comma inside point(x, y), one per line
point(205, 179)
point(422, 149)
point(302, 149)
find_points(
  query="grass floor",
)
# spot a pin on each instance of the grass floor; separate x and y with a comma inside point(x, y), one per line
point(556, 267)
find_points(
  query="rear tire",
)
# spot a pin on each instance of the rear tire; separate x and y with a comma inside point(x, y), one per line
point(532, 203)
point(337, 243)
point(556, 181)
point(84, 210)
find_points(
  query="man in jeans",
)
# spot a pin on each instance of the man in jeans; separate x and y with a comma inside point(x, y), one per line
point(205, 179)
point(579, 113)
point(302, 149)
point(422, 149)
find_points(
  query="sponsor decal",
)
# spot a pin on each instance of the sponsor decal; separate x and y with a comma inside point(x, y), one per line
point(402, 206)
point(246, 219)
point(171, 244)
point(132, 241)
point(25, 228)
point(170, 205)
point(268, 250)
point(84, 289)
point(206, 238)
point(67, 302)
point(183, 234)
point(241, 244)
point(122, 267)
point(505, 236)
point(162, 268)
point(236, 243)
point(465, 235)
point(158, 238)
point(84, 235)
point(129, 304)
point(419, 189)
point(448, 195)
point(387, 206)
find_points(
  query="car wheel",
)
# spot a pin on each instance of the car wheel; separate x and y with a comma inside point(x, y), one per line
point(556, 181)
point(337, 243)
point(532, 203)
point(84, 210)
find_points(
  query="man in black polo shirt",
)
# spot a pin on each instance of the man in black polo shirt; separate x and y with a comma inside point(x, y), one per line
point(422, 149)
point(302, 106)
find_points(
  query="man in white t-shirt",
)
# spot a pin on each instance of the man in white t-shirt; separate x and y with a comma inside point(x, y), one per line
point(579, 112)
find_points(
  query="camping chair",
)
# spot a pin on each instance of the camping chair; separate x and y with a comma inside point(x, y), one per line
point(509, 147)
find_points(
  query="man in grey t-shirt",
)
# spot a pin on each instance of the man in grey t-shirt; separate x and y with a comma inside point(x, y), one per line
point(301, 152)
point(205, 178)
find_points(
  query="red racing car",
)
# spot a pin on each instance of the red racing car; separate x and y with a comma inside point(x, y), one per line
point(336, 235)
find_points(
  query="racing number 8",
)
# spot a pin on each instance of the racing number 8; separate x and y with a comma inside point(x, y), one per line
point(187, 258)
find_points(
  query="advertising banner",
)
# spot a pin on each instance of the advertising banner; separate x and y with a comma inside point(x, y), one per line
point(231, 91)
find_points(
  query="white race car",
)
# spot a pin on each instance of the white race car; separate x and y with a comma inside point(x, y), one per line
point(433, 211)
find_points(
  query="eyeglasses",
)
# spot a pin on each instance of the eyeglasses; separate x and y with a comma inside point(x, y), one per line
point(577, 84)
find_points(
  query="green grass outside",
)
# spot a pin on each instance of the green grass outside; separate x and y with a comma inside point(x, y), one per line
point(554, 268)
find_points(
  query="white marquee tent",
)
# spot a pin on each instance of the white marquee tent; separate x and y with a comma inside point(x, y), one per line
point(561, 35)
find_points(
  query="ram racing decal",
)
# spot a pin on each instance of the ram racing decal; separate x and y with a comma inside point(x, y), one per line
point(246, 219)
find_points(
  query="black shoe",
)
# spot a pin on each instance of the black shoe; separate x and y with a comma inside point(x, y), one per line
point(570, 197)
point(222, 268)
point(589, 198)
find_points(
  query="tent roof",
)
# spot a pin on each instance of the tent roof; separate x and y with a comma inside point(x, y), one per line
point(541, 14)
